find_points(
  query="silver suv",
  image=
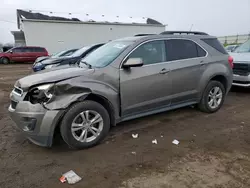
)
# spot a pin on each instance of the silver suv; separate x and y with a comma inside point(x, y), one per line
point(122, 80)
point(241, 70)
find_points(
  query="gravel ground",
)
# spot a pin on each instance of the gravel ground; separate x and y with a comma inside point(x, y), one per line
point(213, 150)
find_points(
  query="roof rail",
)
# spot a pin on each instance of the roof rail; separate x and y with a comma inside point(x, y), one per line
point(141, 35)
point(183, 32)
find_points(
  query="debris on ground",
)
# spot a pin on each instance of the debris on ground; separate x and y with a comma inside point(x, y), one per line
point(135, 135)
point(176, 142)
point(242, 122)
point(194, 135)
point(71, 177)
point(161, 136)
point(154, 141)
point(133, 152)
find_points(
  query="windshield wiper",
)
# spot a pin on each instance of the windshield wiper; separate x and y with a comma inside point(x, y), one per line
point(89, 66)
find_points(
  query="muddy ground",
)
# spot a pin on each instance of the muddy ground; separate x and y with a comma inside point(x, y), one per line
point(214, 149)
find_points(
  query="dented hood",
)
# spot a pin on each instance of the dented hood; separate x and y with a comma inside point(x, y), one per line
point(52, 75)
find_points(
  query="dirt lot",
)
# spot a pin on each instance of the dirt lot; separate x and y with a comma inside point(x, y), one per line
point(213, 151)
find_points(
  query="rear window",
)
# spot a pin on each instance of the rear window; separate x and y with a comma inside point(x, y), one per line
point(215, 44)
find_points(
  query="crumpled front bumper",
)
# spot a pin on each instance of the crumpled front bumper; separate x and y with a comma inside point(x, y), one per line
point(35, 122)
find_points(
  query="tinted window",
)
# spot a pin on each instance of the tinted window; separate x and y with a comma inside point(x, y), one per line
point(201, 52)
point(215, 44)
point(150, 52)
point(183, 49)
point(18, 50)
point(36, 49)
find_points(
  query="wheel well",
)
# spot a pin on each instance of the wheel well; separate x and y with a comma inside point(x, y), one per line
point(101, 100)
point(221, 79)
point(105, 103)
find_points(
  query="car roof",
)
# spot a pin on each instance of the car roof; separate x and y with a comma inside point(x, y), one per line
point(199, 35)
point(29, 47)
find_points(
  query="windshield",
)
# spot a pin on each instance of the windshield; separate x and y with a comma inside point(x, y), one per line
point(59, 54)
point(244, 48)
point(104, 55)
point(80, 51)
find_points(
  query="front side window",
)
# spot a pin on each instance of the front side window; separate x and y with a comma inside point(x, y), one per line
point(150, 52)
point(244, 48)
point(178, 49)
point(18, 50)
point(106, 54)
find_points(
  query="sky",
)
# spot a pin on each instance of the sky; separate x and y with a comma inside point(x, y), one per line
point(216, 17)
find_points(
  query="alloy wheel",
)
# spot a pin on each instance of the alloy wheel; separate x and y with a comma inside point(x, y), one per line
point(87, 126)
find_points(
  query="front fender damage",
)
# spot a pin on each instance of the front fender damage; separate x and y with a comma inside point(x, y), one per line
point(65, 94)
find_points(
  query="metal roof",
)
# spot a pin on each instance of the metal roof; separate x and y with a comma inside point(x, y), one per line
point(81, 17)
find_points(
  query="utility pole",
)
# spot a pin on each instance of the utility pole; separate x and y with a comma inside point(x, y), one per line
point(191, 27)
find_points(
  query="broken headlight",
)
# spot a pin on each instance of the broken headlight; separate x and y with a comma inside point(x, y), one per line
point(41, 94)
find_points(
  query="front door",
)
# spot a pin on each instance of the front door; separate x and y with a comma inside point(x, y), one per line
point(17, 54)
point(148, 87)
point(187, 61)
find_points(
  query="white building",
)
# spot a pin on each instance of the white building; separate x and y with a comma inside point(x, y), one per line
point(60, 31)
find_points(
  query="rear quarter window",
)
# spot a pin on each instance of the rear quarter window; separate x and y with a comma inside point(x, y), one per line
point(214, 43)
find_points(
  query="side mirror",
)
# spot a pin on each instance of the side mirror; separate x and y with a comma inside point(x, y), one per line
point(11, 51)
point(133, 62)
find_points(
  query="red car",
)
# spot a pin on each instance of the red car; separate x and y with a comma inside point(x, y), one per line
point(22, 54)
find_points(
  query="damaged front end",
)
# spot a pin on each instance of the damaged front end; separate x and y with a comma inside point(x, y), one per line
point(56, 96)
point(38, 109)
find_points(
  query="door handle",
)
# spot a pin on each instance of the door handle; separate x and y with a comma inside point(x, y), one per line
point(164, 71)
point(202, 63)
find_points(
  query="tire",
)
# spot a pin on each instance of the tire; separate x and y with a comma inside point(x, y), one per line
point(75, 115)
point(5, 60)
point(212, 87)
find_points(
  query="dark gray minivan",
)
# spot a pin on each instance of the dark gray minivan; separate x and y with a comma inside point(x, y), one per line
point(122, 80)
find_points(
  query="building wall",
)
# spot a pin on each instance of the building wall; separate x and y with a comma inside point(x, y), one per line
point(60, 36)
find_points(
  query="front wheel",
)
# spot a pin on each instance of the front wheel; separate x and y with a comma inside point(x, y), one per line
point(213, 97)
point(85, 125)
point(5, 60)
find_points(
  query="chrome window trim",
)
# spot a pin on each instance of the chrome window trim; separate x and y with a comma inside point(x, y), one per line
point(164, 39)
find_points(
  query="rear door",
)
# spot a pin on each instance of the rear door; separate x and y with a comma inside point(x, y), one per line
point(187, 62)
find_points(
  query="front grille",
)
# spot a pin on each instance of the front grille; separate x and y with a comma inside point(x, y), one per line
point(13, 104)
point(241, 69)
point(18, 91)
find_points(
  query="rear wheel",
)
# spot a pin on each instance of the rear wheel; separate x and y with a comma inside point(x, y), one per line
point(5, 60)
point(213, 97)
point(85, 125)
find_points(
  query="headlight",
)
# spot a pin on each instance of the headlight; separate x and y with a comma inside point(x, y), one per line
point(50, 66)
point(41, 94)
point(37, 64)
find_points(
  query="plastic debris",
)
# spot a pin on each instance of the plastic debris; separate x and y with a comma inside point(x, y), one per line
point(154, 141)
point(135, 135)
point(71, 177)
point(133, 152)
point(194, 134)
point(161, 136)
point(176, 142)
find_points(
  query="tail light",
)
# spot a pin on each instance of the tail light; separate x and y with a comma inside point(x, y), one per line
point(231, 61)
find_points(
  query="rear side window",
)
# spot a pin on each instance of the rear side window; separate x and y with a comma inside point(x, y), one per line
point(34, 49)
point(178, 49)
point(213, 42)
